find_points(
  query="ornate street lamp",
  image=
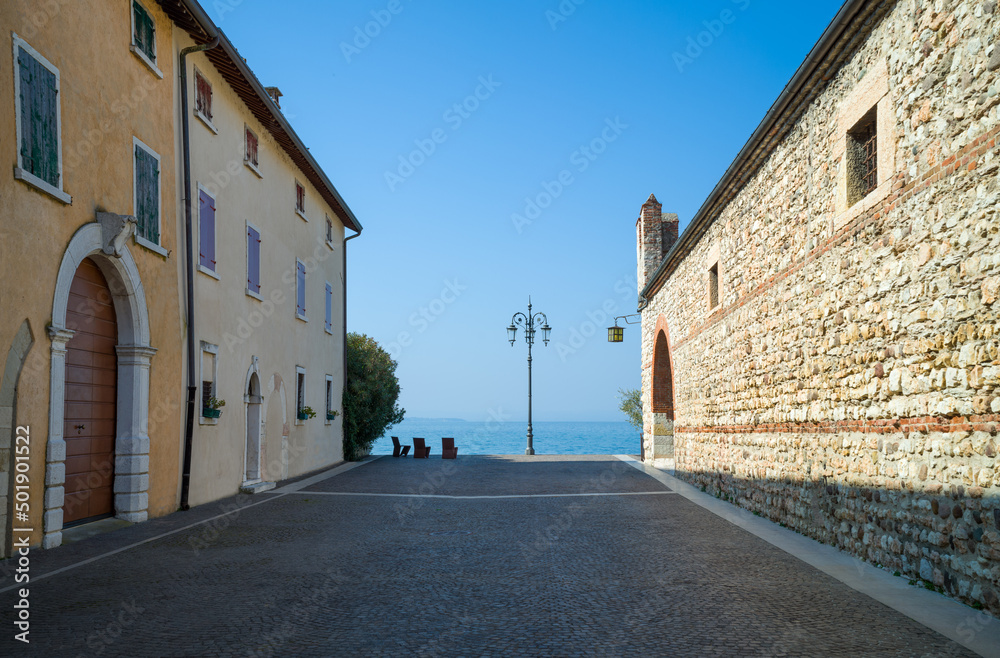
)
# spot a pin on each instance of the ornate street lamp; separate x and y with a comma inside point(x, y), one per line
point(616, 334)
point(530, 323)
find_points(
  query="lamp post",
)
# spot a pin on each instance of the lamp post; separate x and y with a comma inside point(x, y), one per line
point(530, 323)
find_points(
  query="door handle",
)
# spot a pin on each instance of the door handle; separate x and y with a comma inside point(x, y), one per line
point(79, 428)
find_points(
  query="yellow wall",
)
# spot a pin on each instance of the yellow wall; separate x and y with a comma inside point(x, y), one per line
point(107, 96)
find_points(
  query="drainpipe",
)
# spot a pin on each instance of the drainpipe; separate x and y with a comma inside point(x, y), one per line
point(346, 240)
point(192, 387)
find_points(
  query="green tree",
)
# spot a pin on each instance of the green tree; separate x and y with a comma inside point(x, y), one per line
point(631, 406)
point(370, 395)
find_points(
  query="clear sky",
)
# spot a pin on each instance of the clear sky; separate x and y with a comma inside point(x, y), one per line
point(494, 150)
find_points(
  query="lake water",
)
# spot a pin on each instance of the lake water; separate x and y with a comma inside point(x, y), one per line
point(510, 438)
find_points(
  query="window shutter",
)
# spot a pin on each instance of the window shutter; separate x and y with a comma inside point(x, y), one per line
point(147, 194)
point(300, 271)
point(140, 194)
point(329, 307)
point(39, 119)
point(206, 219)
point(253, 260)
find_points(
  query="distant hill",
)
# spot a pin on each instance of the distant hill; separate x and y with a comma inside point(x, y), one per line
point(436, 420)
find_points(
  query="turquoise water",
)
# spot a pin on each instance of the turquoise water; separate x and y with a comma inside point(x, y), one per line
point(510, 438)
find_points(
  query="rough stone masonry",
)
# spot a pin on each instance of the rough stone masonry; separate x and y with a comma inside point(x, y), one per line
point(822, 343)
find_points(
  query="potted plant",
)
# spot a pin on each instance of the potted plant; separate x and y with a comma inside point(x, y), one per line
point(331, 415)
point(213, 407)
point(305, 413)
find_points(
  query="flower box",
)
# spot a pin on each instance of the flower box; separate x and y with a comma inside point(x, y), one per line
point(211, 413)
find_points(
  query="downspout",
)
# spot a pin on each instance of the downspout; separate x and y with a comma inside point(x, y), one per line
point(192, 387)
point(346, 240)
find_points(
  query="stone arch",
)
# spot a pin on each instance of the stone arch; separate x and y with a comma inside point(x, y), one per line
point(256, 418)
point(16, 356)
point(662, 393)
point(134, 354)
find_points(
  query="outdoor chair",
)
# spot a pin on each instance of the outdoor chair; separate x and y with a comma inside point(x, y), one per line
point(420, 451)
point(448, 449)
point(397, 449)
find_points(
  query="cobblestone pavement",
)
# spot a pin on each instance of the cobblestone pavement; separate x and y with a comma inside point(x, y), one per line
point(321, 573)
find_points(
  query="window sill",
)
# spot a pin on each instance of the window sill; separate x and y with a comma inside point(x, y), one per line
point(208, 272)
point(48, 188)
point(252, 167)
point(255, 295)
point(866, 203)
point(301, 214)
point(152, 246)
point(299, 422)
point(330, 331)
point(299, 316)
point(208, 122)
point(145, 60)
point(207, 421)
point(331, 245)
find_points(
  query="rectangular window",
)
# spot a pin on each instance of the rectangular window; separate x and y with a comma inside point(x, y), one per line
point(713, 286)
point(147, 192)
point(144, 36)
point(251, 156)
point(202, 97)
point(37, 108)
point(862, 157)
point(300, 199)
point(300, 290)
point(329, 398)
point(206, 231)
point(329, 308)
point(209, 381)
point(329, 231)
point(300, 391)
point(253, 261)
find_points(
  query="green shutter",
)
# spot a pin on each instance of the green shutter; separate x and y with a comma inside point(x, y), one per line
point(147, 187)
point(39, 119)
point(145, 31)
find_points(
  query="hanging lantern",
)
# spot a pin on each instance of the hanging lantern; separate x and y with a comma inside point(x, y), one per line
point(616, 334)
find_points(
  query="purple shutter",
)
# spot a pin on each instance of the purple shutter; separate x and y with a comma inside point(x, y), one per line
point(329, 307)
point(253, 260)
point(206, 223)
point(300, 277)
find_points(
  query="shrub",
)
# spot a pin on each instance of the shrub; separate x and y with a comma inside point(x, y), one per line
point(370, 395)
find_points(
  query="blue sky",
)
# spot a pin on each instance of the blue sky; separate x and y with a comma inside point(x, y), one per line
point(494, 150)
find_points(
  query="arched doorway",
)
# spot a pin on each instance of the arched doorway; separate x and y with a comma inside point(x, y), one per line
point(251, 472)
point(103, 246)
point(90, 398)
point(662, 398)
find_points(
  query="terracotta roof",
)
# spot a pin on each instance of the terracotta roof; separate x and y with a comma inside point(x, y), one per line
point(852, 24)
point(191, 17)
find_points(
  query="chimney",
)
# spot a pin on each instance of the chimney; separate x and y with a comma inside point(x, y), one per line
point(656, 233)
point(275, 94)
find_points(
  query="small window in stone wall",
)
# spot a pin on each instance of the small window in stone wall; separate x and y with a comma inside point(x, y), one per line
point(862, 158)
point(713, 287)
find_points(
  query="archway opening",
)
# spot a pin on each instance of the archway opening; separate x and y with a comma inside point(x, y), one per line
point(253, 403)
point(663, 399)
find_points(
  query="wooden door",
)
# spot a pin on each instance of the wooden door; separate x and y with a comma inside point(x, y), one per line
point(91, 392)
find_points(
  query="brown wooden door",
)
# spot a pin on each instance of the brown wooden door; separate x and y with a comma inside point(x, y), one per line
point(91, 392)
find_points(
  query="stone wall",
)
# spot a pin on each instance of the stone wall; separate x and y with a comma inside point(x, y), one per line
point(848, 383)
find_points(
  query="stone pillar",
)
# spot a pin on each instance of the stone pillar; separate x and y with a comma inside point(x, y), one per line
point(131, 485)
point(55, 452)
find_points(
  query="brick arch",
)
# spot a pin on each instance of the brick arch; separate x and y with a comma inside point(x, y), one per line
point(663, 372)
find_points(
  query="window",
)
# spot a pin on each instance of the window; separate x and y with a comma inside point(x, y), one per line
point(203, 99)
point(209, 382)
point(329, 308)
point(300, 200)
point(329, 399)
point(329, 232)
point(37, 108)
point(206, 232)
point(146, 178)
point(300, 393)
point(251, 156)
point(300, 290)
point(713, 286)
point(862, 157)
point(253, 261)
point(144, 36)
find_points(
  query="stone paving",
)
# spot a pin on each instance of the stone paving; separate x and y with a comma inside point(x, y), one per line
point(322, 573)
